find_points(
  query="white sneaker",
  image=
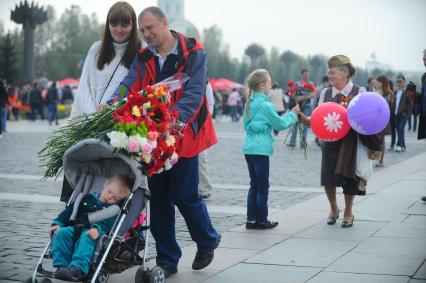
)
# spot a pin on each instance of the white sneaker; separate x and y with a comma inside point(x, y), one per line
point(398, 149)
point(403, 149)
point(0, 136)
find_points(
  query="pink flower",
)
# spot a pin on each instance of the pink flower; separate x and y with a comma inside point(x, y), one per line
point(133, 145)
point(147, 148)
point(153, 136)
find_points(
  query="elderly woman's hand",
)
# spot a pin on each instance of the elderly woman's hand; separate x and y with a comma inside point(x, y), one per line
point(303, 119)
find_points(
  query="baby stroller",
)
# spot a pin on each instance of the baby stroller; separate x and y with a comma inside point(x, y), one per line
point(86, 167)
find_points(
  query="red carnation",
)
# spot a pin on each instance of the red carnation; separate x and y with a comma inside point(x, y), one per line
point(290, 84)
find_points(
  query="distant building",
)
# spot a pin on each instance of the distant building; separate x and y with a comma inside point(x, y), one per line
point(373, 64)
point(175, 12)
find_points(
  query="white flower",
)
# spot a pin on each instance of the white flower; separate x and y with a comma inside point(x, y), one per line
point(167, 164)
point(170, 140)
point(118, 139)
point(332, 122)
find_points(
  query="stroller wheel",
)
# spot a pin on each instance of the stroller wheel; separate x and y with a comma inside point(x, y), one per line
point(30, 280)
point(142, 276)
point(157, 275)
point(102, 277)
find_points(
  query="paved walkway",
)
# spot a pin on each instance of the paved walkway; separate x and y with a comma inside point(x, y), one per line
point(386, 244)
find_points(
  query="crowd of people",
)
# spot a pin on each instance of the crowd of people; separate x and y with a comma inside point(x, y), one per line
point(32, 101)
point(114, 66)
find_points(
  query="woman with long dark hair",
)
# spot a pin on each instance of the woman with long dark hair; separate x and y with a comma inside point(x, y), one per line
point(106, 64)
point(108, 61)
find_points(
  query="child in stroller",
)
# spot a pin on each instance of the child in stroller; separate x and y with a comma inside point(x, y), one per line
point(88, 165)
point(73, 243)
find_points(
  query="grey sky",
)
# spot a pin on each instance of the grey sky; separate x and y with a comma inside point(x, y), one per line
point(394, 29)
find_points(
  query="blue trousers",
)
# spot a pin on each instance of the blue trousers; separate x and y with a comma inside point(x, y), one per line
point(400, 122)
point(257, 198)
point(179, 186)
point(53, 112)
point(66, 252)
point(307, 109)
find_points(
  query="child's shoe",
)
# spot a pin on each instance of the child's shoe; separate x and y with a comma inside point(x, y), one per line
point(70, 273)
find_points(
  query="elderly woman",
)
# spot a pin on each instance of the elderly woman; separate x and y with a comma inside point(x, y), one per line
point(338, 164)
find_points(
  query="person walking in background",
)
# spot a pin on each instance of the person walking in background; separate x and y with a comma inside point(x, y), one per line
point(260, 117)
point(14, 103)
point(276, 97)
point(3, 103)
point(36, 102)
point(52, 103)
point(205, 187)
point(304, 101)
point(234, 101)
point(382, 87)
point(401, 109)
point(370, 84)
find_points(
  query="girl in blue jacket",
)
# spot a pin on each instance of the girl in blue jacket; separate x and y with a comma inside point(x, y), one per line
point(260, 118)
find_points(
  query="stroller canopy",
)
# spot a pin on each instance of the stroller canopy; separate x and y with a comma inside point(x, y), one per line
point(95, 157)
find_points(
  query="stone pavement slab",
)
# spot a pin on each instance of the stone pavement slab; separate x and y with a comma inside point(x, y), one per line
point(254, 273)
point(304, 252)
point(339, 277)
point(421, 273)
point(377, 263)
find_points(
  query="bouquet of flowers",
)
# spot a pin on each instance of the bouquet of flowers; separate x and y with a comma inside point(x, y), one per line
point(298, 95)
point(141, 126)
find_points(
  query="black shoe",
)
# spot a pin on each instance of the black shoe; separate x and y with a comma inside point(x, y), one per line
point(347, 224)
point(331, 220)
point(267, 225)
point(168, 270)
point(204, 257)
point(205, 195)
point(251, 225)
point(424, 198)
point(291, 145)
point(70, 273)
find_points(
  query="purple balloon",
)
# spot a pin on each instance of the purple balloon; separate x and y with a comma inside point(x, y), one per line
point(368, 113)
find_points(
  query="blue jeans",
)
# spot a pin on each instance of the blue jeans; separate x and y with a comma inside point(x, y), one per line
point(66, 252)
point(179, 186)
point(307, 109)
point(53, 112)
point(233, 111)
point(393, 129)
point(257, 198)
point(400, 122)
point(3, 119)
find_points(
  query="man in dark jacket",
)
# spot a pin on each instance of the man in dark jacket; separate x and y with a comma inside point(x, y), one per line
point(3, 103)
point(422, 102)
point(167, 54)
point(36, 102)
point(52, 103)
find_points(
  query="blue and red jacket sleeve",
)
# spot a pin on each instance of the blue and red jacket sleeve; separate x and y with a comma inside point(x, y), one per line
point(193, 92)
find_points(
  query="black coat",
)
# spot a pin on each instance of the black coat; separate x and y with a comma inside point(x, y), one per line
point(422, 117)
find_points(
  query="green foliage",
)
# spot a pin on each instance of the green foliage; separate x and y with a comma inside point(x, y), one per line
point(8, 69)
point(132, 129)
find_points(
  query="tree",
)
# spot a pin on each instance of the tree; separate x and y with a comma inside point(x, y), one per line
point(212, 39)
point(254, 51)
point(288, 58)
point(318, 63)
point(8, 67)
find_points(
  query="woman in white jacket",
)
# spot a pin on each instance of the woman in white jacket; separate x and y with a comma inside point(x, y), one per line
point(108, 61)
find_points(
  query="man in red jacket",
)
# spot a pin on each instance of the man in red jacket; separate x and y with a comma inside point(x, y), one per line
point(168, 53)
